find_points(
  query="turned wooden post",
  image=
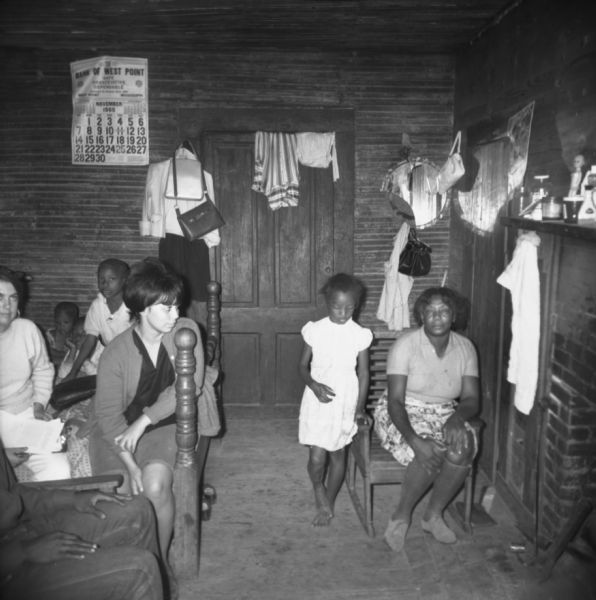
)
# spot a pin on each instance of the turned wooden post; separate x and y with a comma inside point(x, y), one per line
point(184, 553)
point(213, 324)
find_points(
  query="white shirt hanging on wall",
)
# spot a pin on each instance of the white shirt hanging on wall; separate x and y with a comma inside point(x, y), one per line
point(522, 279)
point(159, 213)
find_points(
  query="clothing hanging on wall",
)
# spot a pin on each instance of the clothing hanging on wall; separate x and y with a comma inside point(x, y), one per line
point(522, 278)
point(159, 213)
point(189, 259)
point(276, 171)
point(318, 150)
point(393, 306)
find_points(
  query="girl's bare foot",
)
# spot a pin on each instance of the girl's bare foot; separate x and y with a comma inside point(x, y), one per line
point(324, 509)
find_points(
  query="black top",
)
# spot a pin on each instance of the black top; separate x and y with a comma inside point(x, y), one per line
point(152, 381)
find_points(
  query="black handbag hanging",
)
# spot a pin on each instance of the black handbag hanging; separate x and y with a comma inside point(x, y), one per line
point(200, 220)
point(415, 258)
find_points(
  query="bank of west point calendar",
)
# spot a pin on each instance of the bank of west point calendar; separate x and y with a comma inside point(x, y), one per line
point(110, 124)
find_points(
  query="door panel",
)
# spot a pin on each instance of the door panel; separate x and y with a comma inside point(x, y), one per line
point(271, 265)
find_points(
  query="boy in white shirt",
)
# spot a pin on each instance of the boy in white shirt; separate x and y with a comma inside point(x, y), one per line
point(107, 316)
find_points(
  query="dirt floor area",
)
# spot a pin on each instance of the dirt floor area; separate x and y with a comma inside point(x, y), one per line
point(259, 543)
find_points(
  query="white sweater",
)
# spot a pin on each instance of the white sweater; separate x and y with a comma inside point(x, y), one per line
point(26, 373)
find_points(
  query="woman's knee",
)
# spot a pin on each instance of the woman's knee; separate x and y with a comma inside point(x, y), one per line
point(157, 482)
point(463, 456)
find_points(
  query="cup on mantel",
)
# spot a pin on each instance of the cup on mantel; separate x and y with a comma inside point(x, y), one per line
point(572, 205)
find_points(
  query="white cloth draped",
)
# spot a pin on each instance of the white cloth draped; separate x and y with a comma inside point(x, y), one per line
point(522, 279)
point(393, 306)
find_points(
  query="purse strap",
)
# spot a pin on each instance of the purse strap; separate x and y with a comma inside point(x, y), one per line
point(456, 144)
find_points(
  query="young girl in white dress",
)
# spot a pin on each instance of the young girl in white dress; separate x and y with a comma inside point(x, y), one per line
point(334, 367)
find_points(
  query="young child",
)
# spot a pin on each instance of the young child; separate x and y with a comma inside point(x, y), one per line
point(59, 337)
point(108, 315)
point(336, 348)
point(89, 366)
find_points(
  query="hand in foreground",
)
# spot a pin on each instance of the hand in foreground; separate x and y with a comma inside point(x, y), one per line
point(456, 434)
point(55, 546)
point(323, 392)
point(86, 502)
point(430, 453)
point(129, 439)
point(39, 412)
point(17, 456)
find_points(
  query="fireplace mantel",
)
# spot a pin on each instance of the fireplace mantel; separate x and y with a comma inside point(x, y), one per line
point(582, 231)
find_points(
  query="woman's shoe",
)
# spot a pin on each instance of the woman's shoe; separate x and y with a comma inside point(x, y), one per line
point(395, 534)
point(437, 526)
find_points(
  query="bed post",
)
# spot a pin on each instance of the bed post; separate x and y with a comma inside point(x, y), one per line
point(213, 324)
point(185, 547)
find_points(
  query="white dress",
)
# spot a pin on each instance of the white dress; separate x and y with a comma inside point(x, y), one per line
point(335, 351)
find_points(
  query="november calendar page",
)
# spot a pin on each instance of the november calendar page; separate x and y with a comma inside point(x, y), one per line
point(110, 113)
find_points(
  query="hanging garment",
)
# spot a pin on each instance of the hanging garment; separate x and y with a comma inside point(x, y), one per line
point(522, 279)
point(276, 168)
point(159, 214)
point(317, 150)
point(393, 306)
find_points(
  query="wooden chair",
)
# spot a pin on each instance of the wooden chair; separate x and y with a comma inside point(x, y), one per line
point(375, 465)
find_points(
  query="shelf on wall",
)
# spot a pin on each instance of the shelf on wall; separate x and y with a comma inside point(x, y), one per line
point(582, 231)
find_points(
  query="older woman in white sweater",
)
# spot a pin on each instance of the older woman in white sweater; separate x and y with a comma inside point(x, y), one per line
point(26, 376)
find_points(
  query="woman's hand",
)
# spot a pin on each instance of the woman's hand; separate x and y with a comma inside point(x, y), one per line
point(429, 453)
point(39, 412)
point(456, 434)
point(323, 392)
point(55, 546)
point(129, 439)
point(17, 456)
point(86, 502)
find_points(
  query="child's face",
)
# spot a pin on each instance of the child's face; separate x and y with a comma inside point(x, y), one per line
point(64, 323)
point(341, 307)
point(110, 282)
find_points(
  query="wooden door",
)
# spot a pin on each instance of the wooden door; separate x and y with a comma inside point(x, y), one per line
point(271, 266)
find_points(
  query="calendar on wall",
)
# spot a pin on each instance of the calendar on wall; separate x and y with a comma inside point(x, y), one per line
point(110, 118)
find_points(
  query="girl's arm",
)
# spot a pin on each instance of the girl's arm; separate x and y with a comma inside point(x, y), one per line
point(363, 380)
point(84, 353)
point(323, 392)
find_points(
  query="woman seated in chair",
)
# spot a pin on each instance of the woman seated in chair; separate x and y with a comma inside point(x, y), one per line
point(422, 419)
point(133, 414)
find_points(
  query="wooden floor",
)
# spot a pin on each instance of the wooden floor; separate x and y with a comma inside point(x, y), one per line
point(259, 543)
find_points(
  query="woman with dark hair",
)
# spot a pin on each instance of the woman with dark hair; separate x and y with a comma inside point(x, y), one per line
point(422, 418)
point(26, 376)
point(133, 420)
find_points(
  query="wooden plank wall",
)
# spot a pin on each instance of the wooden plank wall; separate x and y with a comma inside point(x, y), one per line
point(57, 221)
point(542, 50)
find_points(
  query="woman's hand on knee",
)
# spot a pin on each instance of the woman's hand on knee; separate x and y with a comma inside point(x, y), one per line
point(456, 435)
point(429, 453)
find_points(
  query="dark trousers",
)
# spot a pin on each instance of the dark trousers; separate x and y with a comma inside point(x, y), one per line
point(124, 567)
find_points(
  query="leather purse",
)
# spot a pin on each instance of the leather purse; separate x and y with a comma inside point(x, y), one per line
point(453, 169)
point(200, 220)
point(415, 259)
